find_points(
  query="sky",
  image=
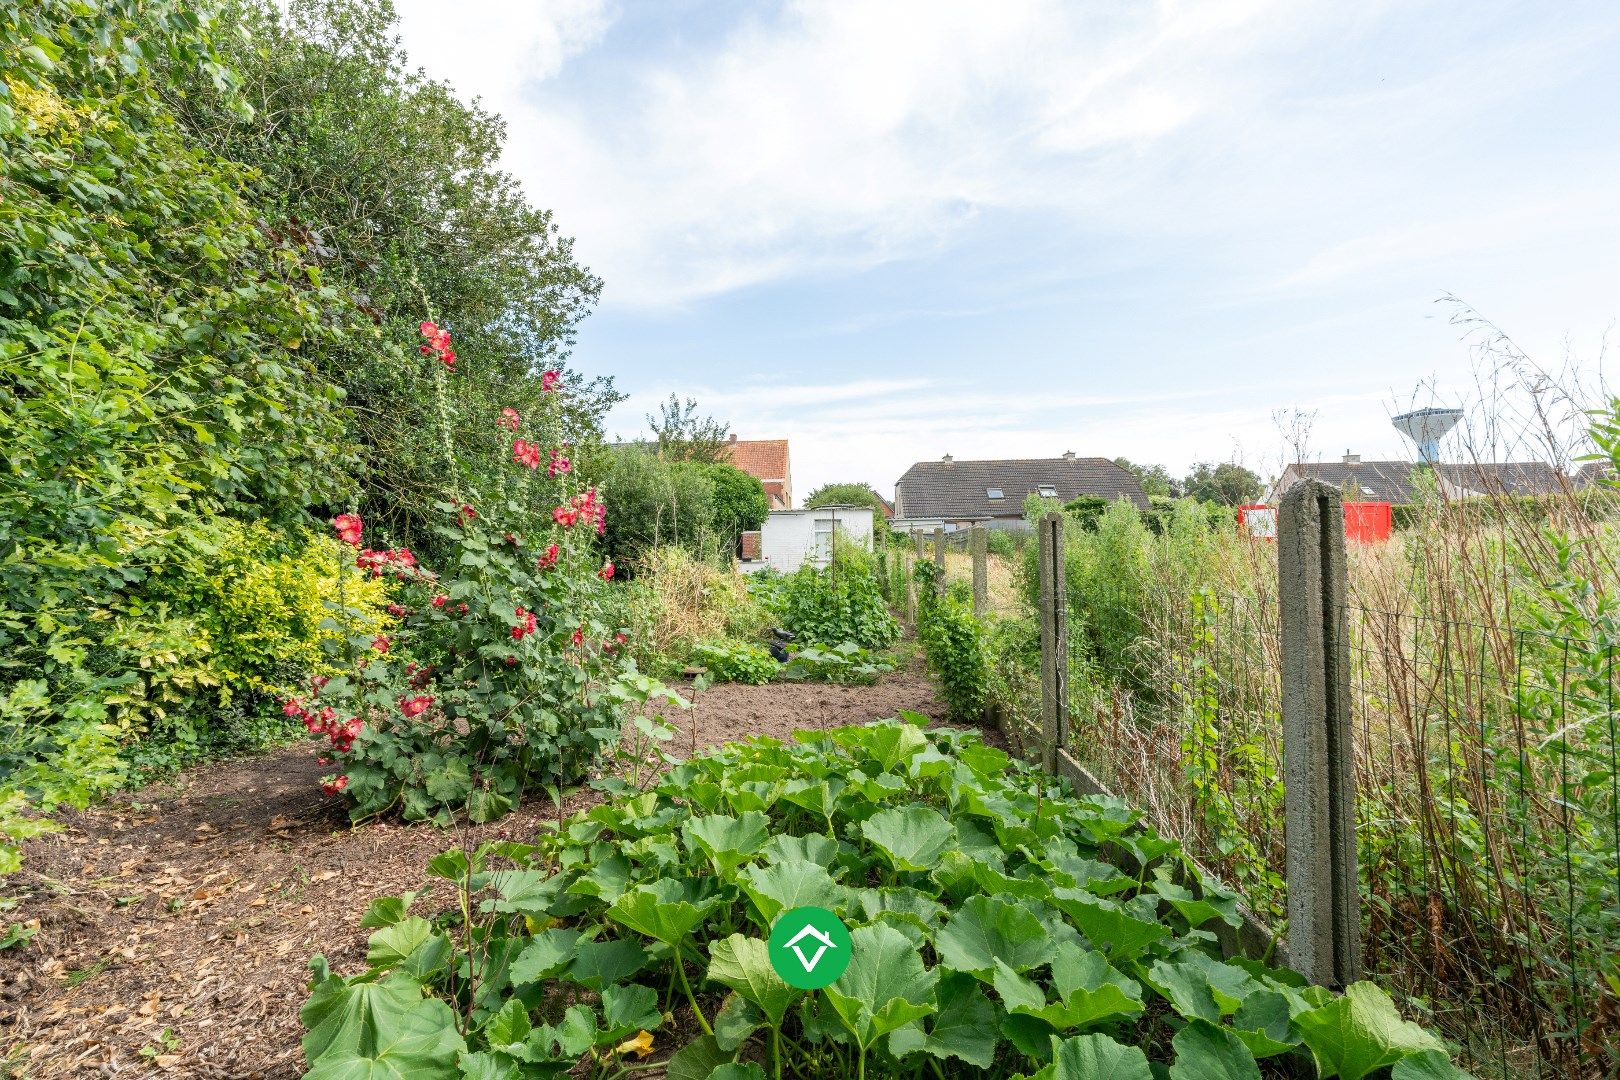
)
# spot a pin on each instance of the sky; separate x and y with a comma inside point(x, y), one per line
point(890, 231)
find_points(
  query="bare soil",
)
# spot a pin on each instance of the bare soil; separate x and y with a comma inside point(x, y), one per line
point(175, 923)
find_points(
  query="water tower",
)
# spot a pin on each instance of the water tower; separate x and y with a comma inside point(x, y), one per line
point(1426, 427)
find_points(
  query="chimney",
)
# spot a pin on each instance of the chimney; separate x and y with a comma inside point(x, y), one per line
point(733, 436)
point(1068, 455)
point(1352, 459)
point(947, 459)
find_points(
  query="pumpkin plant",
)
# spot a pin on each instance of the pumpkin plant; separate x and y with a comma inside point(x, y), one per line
point(1001, 927)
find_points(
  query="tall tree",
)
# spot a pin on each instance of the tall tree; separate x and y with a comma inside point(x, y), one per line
point(392, 183)
point(1155, 479)
point(683, 435)
point(1227, 483)
point(847, 494)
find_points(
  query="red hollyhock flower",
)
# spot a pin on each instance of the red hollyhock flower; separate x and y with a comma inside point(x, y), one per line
point(606, 573)
point(549, 381)
point(565, 516)
point(380, 643)
point(334, 785)
point(509, 419)
point(620, 638)
point(579, 635)
point(511, 661)
point(462, 607)
point(415, 706)
point(468, 513)
point(319, 682)
point(549, 559)
point(526, 453)
point(558, 465)
point(439, 600)
point(348, 528)
point(526, 624)
point(396, 610)
point(429, 329)
point(293, 708)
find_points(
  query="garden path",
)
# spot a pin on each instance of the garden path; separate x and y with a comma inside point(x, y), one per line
point(175, 923)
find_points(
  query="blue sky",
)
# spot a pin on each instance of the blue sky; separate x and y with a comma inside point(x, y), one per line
point(891, 231)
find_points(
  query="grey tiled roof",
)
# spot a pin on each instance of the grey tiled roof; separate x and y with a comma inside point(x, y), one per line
point(1391, 481)
point(1507, 478)
point(956, 490)
point(1363, 481)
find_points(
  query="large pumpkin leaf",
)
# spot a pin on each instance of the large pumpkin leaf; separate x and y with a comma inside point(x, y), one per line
point(743, 963)
point(1360, 1033)
point(597, 964)
point(782, 886)
point(728, 842)
point(660, 910)
point(1207, 1052)
point(912, 838)
point(964, 1027)
point(987, 930)
point(379, 1029)
point(1091, 1057)
point(1108, 926)
point(885, 986)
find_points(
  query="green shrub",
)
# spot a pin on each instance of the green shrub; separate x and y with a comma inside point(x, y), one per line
point(838, 604)
point(954, 641)
point(989, 936)
point(846, 663)
point(737, 662)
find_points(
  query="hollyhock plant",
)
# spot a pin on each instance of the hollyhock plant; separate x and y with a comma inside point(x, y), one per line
point(501, 674)
point(549, 381)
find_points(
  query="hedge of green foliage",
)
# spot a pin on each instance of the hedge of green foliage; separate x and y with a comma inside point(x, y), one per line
point(833, 605)
point(954, 641)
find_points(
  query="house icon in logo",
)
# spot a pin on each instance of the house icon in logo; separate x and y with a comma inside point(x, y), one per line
point(809, 962)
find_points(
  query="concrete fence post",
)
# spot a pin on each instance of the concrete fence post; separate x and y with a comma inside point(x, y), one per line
point(981, 579)
point(913, 558)
point(1319, 802)
point(1054, 596)
point(939, 559)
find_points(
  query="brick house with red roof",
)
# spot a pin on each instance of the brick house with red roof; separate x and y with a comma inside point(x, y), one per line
point(766, 460)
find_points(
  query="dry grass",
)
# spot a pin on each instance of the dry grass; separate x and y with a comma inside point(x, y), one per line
point(679, 600)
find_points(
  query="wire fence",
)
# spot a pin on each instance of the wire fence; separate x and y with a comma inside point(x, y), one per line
point(1488, 802)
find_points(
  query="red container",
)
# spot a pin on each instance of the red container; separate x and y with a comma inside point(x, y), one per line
point(1368, 522)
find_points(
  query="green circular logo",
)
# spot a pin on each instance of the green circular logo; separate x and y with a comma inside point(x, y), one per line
point(809, 947)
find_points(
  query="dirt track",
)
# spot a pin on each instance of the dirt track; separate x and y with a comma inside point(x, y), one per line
point(192, 907)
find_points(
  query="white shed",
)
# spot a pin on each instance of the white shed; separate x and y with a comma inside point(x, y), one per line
point(791, 538)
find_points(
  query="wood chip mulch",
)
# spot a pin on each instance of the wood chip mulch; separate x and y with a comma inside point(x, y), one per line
point(175, 923)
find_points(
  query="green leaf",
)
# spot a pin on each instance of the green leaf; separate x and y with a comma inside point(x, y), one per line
point(733, 1070)
point(964, 1027)
point(1107, 925)
point(1092, 1057)
point(386, 911)
point(393, 944)
point(1429, 1065)
point(988, 929)
point(743, 963)
point(1264, 1023)
point(1089, 990)
point(885, 986)
point(1207, 1052)
point(1213, 905)
point(508, 1027)
point(660, 911)
point(628, 1009)
point(911, 839)
point(545, 956)
point(1360, 1033)
point(728, 842)
point(696, 1060)
point(598, 963)
point(737, 1019)
point(781, 886)
point(815, 848)
point(384, 1028)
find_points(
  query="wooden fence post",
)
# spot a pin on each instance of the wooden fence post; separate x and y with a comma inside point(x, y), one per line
point(939, 559)
point(1054, 641)
point(981, 580)
point(1319, 800)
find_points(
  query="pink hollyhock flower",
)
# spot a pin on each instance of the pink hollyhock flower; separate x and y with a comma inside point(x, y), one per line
point(293, 708)
point(549, 559)
point(440, 600)
point(429, 329)
point(462, 607)
point(334, 785)
point(348, 528)
point(319, 682)
point(526, 453)
point(509, 419)
point(380, 643)
point(549, 381)
point(565, 516)
point(606, 573)
point(415, 706)
point(558, 465)
point(526, 624)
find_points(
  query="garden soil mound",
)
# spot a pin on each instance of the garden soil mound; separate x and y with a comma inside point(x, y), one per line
point(175, 923)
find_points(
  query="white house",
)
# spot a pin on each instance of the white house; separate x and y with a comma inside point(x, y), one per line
point(791, 538)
